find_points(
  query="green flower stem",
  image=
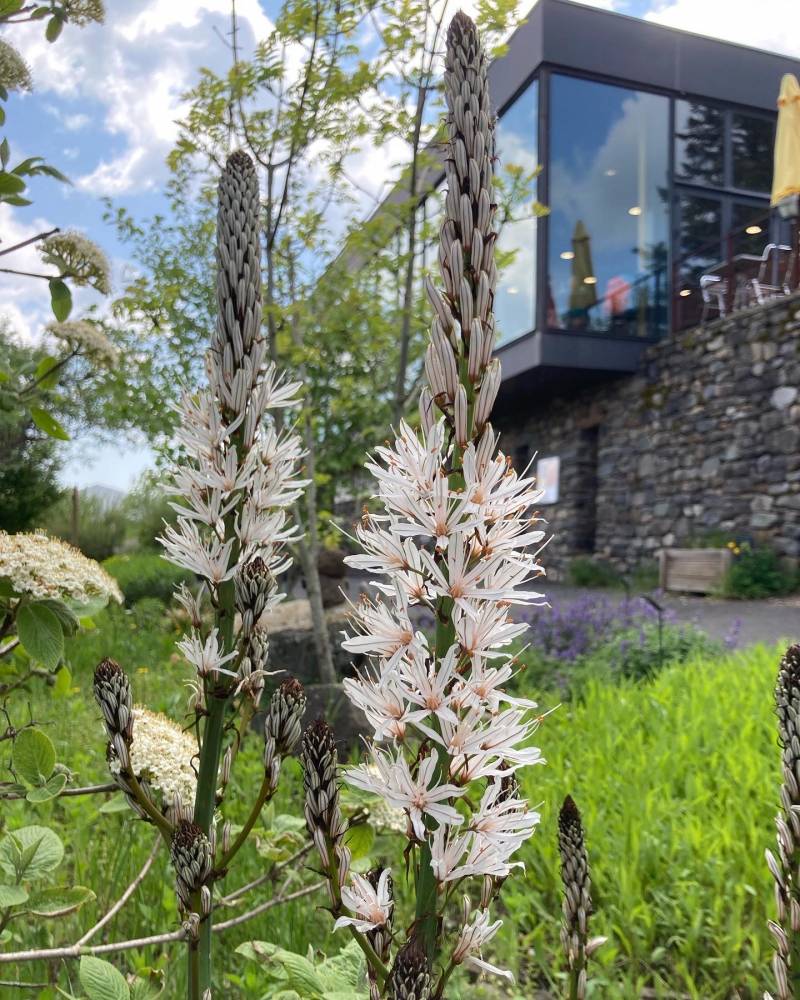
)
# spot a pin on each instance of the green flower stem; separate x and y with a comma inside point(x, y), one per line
point(163, 825)
point(264, 796)
point(204, 806)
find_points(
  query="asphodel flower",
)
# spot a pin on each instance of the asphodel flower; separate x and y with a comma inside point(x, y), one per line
point(232, 492)
point(457, 534)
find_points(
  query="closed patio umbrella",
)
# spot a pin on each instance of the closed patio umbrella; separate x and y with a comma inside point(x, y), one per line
point(786, 176)
point(583, 289)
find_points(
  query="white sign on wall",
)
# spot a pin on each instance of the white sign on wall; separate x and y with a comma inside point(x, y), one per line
point(547, 476)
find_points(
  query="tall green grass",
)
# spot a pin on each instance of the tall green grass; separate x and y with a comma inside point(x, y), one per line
point(676, 778)
point(677, 782)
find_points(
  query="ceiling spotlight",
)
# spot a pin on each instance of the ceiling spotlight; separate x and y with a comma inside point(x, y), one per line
point(567, 255)
point(684, 292)
point(753, 230)
point(590, 280)
point(634, 210)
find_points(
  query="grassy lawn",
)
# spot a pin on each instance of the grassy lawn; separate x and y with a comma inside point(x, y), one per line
point(676, 778)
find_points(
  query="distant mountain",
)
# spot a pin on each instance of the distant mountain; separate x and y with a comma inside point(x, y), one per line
point(107, 496)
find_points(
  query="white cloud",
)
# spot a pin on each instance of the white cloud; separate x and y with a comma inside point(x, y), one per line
point(136, 68)
point(765, 25)
point(25, 302)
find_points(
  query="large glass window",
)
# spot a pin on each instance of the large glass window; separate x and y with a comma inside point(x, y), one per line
point(699, 143)
point(752, 142)
point(608, 237)
point(516, 198)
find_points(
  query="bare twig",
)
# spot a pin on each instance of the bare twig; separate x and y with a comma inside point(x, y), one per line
point(268, 905)
point(123, 899)
point(33, 239)
point(268, 876)
point(69, 792)
point(76, 950)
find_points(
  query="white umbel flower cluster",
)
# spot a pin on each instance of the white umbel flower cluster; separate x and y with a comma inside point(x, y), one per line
point(42, 567)
point(240, 477)
point(162, 754)
point(78, 259)
point(87, 338)
point(456, 534)
point(15, 73)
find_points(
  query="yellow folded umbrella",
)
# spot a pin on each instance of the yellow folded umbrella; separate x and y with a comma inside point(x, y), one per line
point(786, 176)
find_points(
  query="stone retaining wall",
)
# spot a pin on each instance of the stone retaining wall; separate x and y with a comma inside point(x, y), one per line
point(706, 438)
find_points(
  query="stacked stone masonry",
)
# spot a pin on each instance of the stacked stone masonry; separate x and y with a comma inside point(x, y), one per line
point(703, 442)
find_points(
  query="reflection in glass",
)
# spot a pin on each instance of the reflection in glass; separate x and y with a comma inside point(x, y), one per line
point(750, 228)
point(752, 140)
point(699, 250)
point(514, 301)
point(607, 268)
point(699, 136)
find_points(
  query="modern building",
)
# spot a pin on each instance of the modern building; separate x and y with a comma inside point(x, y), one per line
point(655, 147)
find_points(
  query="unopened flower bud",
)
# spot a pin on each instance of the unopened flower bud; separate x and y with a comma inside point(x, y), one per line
point(320, 779)
point(254, 586)
point(285, 715)
point(191, 857)
point(410, 977)
point(112, 691)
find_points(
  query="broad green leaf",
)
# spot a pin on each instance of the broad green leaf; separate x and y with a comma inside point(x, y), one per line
point(48, 424)
point(54, 28)
point(12, 895)
point(360, 839)
point(117, 804)
point(298, 972)
point(40, 633)
point(342, 970)
point(7, 588)
point(52, 788)
point(41, 852)
point(33, 756)
point(11, 183)
point(46, 377)
point(101, 980)
point(60, 298)
point(148, 988)
point(5, 152)
point(4, 376)
point(58, 901)
point(69, 621)
point(10, 6)
point(17, 200)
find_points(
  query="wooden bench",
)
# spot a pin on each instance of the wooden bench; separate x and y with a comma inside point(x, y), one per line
point(693, 571)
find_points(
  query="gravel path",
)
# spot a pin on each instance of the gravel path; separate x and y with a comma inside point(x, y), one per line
point(758, 621)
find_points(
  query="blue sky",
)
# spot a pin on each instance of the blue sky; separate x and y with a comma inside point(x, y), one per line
point(103, 110)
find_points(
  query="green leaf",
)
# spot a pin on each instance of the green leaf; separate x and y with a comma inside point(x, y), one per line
point(59, 900)
point(49, 790)
point(149, 988)
point(35, 850)
point(15, 199)
point(45, 377)
point(33, 756)
point(298, 972)
point(68, 619)
point(10, 183)
point(54, 28)
point(101, 980)
point(360, 839)
point(12, 895)
point(48, 424)
point(60, 297)
point(117, 804)
point(5, 152)
point(40, 633)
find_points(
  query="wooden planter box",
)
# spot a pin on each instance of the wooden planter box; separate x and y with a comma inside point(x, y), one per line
point(693, 571)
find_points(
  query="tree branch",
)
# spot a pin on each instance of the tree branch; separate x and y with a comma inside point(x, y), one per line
point(33, 239)
point(123, 899)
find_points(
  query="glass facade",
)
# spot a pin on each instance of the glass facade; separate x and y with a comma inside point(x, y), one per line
point(517, 153)
point(609, 209)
